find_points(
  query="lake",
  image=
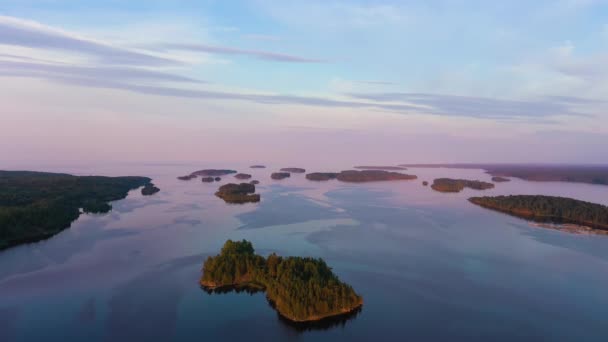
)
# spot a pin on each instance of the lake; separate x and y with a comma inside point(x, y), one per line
point(429, 265)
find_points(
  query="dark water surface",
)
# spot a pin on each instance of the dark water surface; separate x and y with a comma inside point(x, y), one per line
point(430, 266)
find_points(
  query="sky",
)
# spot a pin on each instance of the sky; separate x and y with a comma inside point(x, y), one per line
point(303, 81)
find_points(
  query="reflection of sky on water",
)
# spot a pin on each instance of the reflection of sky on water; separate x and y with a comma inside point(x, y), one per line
point(429, 265)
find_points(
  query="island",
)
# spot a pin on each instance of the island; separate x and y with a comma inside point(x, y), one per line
point(254, 182)
point(389, 168)
point(217, 179)
point(238, 193)
point(321, 176)
point(559, 210)
point(280, 175)
point(213, 172)
point(498, 179)
point(242, 176)
point(300, 289)
point(149, 189)
point(591, 174)
point(293, 170)
point(457, 185)
point(257, 167)
point(37, 205)
point(425, 183)
point(187, 177)
point(355, 176)
point(207, 179)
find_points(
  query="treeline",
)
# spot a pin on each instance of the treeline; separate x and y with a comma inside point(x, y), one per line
point(38, 205)
point(457, 185)
point(301, 289)
point(548, 209)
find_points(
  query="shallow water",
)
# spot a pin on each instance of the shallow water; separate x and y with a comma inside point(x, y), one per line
point(429, 265)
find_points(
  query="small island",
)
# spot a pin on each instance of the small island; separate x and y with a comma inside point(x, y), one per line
point(425, 183)
point(213, 172)
point(207, 179)
point(238, 193)
point(355, 176)
point(457, 185)
point(388, 168)
point(217, 179)
point(293, 170)
point(149, 189)
point(187, 177)
point(321, 176)
point(242, 176)
point(257, 167)
point(280, 175)
point(300, 289)
point(37, 205)
point(254, 182)
point(498, 179)
point(550, 209)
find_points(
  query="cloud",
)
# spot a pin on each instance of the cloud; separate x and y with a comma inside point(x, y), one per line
point(31, 34)
point(224, 50)
point(478, 107)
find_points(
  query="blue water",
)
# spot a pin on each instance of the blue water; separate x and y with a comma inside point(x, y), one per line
point(430, 266)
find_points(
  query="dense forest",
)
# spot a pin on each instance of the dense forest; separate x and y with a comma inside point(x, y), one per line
point(548, 209)
point(238, 193)
point(38, 205)
point(301, 289)
point(457, 185)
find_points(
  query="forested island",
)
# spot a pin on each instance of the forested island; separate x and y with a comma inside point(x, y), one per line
point(389, 168)
point(356, 176)
point(280, 175)
point(187, 177)
point(238, 193)
point(293, 170)
point(149, 189)
point(242, 176)
point(548, 209)
point(213, 172)
point(257, 167)
point(591, 174)
point(37, 205)
point(321, 176)
point(498, 179)
point(457, 185)
point(301, 289)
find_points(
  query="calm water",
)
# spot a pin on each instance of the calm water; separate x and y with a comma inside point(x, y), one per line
point(429, 265)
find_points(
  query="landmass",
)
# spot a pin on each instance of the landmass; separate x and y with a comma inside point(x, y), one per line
point(390, 168)
point(293, 170)
point(457, 185)
point(257, 167)
point(149, 189)
point(254, 182)
point(300, 289)
point(539, 208)
point(238, 193)
point(187, 177)
point(217, 179)
point(213, 172)
point(37, 205)
point(321, 176)
point(280, 175)
point(207, 179)
point(425, 183)
point(498, 179)
point(242, 176)
point(591, 174)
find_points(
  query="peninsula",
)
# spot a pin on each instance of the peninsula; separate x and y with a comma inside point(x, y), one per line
point(238, 193)
point(37, 205)
point(551, 209)
point(457, 185)
point(301, 289)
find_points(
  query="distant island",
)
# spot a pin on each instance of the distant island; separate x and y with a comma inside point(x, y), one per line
point(498, 179)
point(242, 176)
point(591, 174)
point(301, 289)
point(238, 193)
point(254, 182)
point(457, 185)
point(207, 179)
point(187, 177)
point(548, 209)
point(257, 167)
point(321, 176)
point(213, 172)
point(280, 175)
point(149, 189)
point(37, 205)
point(389, 168)
point(356, 176)
point(293, 170)
point(425, 183)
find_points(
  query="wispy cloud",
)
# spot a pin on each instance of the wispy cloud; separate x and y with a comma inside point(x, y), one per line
point(31, 34)
point(225, 50)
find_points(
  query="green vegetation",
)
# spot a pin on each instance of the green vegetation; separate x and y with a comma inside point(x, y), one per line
point(548, 209)
point(301, 289)
point(457, 185)
point(37, 205)
point(355, 176)
point(238, 193)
